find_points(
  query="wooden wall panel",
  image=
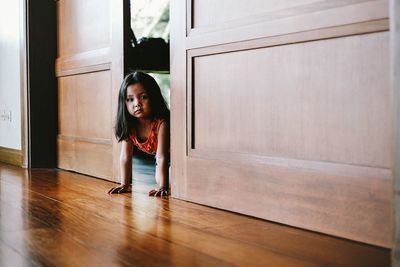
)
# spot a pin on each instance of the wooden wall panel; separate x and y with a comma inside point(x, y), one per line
point(302, 101)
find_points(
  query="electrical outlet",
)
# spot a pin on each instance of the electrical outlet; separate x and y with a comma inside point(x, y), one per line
point(8, 116)
point(5, 115)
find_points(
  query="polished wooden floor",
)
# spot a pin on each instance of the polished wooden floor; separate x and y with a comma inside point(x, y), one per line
point(59, 218)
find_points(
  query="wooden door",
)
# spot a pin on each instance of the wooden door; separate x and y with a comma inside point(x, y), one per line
point(89, 70)
point(282, 110)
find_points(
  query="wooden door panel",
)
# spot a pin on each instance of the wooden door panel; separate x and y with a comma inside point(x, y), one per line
point(350, 203)
point(89, 71)
point(90, 157)
point(217, 24)
point(207, 13)
point(83, 26)
point(85, 105)
point(284, 112)
point(303, 101)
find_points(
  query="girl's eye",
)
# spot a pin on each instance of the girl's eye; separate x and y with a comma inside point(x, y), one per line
point(143, 97)
point(129, 100)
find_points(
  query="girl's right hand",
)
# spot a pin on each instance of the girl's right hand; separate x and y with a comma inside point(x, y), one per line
point(159, 192)
point(120, 189)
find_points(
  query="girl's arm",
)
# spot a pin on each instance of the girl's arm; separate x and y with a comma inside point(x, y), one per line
point(125, 161)
point(162, 160)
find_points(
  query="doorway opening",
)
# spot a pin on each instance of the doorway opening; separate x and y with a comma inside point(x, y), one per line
point(146, 48)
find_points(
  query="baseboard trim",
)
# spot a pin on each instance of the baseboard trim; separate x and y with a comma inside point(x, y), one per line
point(11, 156)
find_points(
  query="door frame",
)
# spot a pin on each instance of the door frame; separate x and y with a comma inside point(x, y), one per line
point(395, 82)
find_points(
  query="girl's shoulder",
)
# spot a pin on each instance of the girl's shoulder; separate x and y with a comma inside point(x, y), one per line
point(160, 121)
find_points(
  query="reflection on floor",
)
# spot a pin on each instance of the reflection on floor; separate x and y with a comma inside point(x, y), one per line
point(143, 169)
point(58, 218)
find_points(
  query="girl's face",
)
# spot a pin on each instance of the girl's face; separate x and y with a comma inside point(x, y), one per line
point(137, 101)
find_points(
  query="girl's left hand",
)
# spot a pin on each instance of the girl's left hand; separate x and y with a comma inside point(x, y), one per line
point(120, 189)
point(159, 192)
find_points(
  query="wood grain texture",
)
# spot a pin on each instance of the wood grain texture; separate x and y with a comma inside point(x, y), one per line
point(85, 130)
point(248, 82)
point(89, 157)
point(178, 86)
point(345, 206)
point(90, 61)
point(395, 85)
point(330, 168)
point(83, 27)
point(11, 156)
point(85, 105)
point(206, 13)
point(319, 15)
point(117, 73)
point(89, 69)
point(303, 101)
point(57, 218)
point(195, 45)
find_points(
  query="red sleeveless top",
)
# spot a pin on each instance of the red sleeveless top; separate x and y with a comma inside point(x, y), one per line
point(150, 145)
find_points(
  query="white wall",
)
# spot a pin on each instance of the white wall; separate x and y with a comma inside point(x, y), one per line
point(10, 72)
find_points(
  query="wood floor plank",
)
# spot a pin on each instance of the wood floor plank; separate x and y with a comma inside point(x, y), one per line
point(47, 247)
point(122, 230)
point(103, 235)
point(175, 237)
point(204, 220)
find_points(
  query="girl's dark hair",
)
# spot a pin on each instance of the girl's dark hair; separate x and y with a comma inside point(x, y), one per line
point(125, 121)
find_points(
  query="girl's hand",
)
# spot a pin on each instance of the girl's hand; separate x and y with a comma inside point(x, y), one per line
point(159, 192)
point(120, 189)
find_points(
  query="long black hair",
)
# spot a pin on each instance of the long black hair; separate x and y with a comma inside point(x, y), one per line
point(125, 121)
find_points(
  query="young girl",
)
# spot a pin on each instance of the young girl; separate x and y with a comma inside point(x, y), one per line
point(142, 121)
